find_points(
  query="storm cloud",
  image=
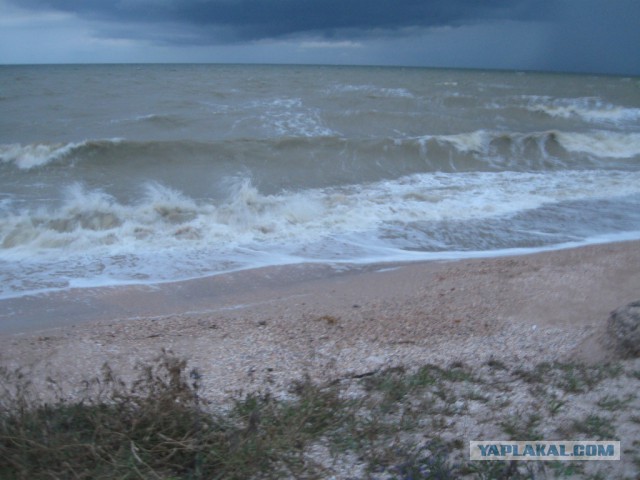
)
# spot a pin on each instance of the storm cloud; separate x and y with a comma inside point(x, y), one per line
point(250, 20)
point(567, 35)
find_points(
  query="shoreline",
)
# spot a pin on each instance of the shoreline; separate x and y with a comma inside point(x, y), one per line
point(276, 325)
point(209, 294)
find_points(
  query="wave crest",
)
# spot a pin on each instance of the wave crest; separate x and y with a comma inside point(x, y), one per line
point(90, 220)
point(27, 157)
point(589, 109)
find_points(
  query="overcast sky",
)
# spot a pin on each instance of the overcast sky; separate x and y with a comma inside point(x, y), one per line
point(600, 36)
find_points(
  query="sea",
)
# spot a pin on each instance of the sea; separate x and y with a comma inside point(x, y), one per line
point(141, 174)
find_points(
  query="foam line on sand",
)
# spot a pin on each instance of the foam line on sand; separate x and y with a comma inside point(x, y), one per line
point(275, 325)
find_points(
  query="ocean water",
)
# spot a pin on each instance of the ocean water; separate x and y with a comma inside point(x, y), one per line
point(120, 174)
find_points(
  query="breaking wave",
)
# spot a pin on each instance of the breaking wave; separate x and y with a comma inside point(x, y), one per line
point(482, 149)
point(26, 157)
point(203, 169)
point(88, 220)
point(372, 91)
point(589, 109)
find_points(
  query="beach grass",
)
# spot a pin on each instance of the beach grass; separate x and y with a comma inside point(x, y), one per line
point(389, 424)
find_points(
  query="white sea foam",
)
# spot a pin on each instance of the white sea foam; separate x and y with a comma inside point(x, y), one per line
point(472, 142)
point(378, 164)
point(289, 117)
point(602, 143)
point(167, 235)
point(599, 143)
point(372, 91)
point(36, 155)
point(589, 109)
point(91, 220)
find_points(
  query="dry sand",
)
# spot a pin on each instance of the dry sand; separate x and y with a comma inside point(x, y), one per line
point(263, 329)
point(267, 327)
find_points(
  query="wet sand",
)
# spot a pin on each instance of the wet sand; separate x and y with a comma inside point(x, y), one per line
point(267, 327)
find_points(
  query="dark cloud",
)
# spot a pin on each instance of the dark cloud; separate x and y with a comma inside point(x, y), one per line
point(563, 35)
point(246, 20)
point(595, 36)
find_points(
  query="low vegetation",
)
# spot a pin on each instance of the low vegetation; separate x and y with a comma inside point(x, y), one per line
point(390, 424)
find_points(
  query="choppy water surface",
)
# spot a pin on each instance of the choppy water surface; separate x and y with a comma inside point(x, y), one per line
point(134, 174)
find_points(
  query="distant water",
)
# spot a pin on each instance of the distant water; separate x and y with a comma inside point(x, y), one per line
point(138, 174)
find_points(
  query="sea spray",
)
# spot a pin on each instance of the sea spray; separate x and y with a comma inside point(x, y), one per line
point(196, 170)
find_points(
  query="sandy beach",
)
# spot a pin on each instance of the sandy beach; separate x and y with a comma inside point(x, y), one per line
point(270, 326)
point(260, 330)
point(350, 242)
